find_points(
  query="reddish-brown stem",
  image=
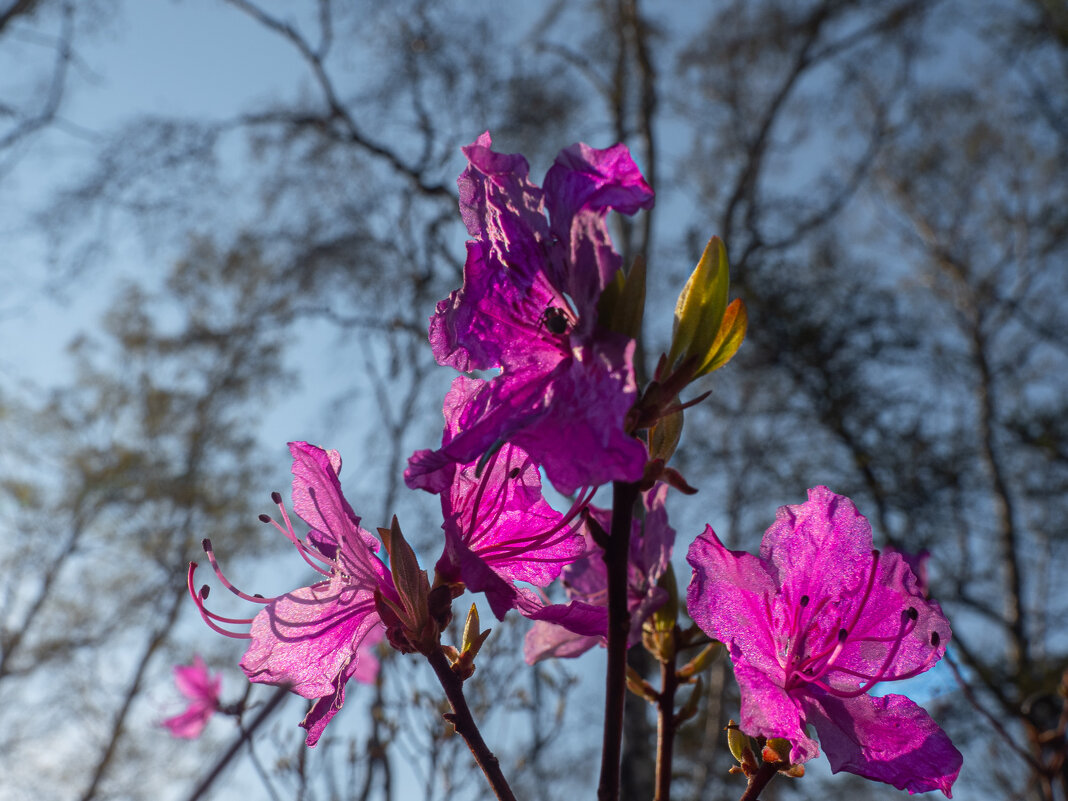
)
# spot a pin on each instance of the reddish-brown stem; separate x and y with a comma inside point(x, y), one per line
point(665, 728)
point(616, 559)
point(465, 725)
point(759, 780)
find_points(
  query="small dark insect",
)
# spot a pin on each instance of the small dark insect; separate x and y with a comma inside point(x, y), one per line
point(554, 319)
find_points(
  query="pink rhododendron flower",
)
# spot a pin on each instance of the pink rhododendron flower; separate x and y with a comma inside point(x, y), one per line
point(528, 306)
point(202, 690)
point(498, 527)
point(563, 630)
point(312, 639)
point(815, 622)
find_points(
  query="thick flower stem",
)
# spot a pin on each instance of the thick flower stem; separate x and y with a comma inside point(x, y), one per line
point(665, 728)
point(465, 725)
point(616, 559)
point(759, 780)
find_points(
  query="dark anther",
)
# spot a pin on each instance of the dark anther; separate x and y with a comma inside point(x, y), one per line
point(513, 473)
point(265, 518)
point(204, 592)
point(205, 544)
point(276, 498)
point(842, 634)
point(804, 600)
point(935, 639)
point(912, 613)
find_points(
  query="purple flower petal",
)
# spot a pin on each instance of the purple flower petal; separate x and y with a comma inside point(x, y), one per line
point(528, 306)
point(769, 711)
point(307, 638)
point(889, 739)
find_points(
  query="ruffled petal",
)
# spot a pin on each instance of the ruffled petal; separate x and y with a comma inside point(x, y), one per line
point(889, 739)
point(580, 188)
point(821, 548)
point(730, 598)
point(307, 638)
point(769, 711)
point(318, 499)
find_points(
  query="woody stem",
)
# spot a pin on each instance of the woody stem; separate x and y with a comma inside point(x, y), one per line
point(665, 727)
point(616, 559)
point(465, 725)
point(759, 780)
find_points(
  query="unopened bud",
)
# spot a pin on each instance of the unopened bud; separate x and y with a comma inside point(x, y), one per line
point(418, 624)
point(741, 747)
point(707, 331)
point(776, 750)
point(463, 663)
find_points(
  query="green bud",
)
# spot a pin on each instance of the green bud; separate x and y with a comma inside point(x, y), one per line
point(707, 331)
point(741, 748)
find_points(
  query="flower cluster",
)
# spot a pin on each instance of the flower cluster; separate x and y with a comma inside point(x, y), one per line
point(812, 624)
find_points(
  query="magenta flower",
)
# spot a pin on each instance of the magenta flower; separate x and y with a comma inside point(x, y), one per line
point(311, 639)
point(564, 630)
point(498, 527)
point(813, 624)
point(196, 684)
point(528, 306)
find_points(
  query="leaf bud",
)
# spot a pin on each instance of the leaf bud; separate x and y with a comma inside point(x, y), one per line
point(707, 331)
point(741, 747)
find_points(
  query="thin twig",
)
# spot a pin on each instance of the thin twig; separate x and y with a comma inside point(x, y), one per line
point(616, 559)
point(993, 721)
point(665, 727)
point(465, 725)
point(759, 780)
point(245, 736)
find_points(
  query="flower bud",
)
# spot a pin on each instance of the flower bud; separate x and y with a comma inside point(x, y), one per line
point(412, 619)
point(776, 750)
point(741, 748)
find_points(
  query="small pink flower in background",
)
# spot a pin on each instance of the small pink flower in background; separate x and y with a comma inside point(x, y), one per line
point(196, 684)
point(815, 622)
